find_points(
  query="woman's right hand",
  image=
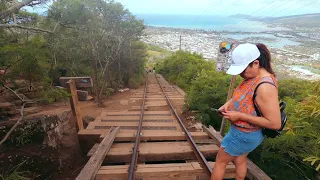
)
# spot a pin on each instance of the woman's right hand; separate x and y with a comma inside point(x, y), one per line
point(225, 107)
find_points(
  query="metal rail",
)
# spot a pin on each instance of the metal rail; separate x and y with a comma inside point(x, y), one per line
point(204, 163)
point(135, 154)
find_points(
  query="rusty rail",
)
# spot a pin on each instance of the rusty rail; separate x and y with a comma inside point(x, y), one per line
point(135, 154)
point(204, 163)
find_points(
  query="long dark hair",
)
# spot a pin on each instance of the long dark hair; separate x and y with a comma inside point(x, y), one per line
point(265, 58)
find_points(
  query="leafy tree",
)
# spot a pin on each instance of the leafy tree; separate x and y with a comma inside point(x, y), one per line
point(100, 34)
point(11, 15)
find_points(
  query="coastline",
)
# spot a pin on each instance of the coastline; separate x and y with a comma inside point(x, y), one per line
point(206, 42)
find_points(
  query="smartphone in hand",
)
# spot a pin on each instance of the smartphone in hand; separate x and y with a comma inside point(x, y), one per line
point(217, 110)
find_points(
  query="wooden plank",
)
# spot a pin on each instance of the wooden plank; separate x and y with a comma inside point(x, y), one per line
point(157, 113)
point(81, 82)
point(213, 134)
point(204, 141)
point(123, 113)
point(138, 108)
point(139, 98)
point(134, 113)
point(254, 172)
point(93, 150)
point(159, 96)
point(129, 124)
point(91, 168)
point(74, 104)
point(147, 117)
point(160, 136)
point(155, 117)
point(152, 104)
point(175, 171)
point(133, 131)
point(157, 151)
point(99, 118)
point(157, 101)
point(146, 135)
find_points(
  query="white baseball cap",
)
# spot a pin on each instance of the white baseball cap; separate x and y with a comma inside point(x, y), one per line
point(241, 57)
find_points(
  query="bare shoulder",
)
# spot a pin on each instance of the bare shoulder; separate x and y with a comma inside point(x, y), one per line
point(267, 90)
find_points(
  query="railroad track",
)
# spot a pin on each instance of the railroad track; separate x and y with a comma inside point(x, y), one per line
point(152, 142)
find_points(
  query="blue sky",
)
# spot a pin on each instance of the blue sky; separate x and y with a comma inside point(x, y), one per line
point(271, 8)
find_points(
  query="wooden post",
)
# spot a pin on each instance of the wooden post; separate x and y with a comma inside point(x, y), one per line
point(230, 92)
point(74, 104)
point(93, 165)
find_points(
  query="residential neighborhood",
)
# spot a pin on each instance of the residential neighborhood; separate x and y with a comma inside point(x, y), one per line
point(291, 58)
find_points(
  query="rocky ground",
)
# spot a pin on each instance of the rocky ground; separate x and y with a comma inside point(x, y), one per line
point(46, 142)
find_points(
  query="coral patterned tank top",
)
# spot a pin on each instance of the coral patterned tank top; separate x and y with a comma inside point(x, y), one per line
point(242, 101)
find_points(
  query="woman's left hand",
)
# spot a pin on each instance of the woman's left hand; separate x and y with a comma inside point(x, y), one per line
point(232, 116)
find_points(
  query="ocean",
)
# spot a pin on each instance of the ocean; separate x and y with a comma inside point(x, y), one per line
point(216, 23)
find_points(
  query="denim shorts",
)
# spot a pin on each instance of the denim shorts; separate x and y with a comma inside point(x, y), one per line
point(237, 143)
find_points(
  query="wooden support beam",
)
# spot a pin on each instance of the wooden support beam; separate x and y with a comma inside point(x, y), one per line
point(230, 93)
point(91, 168)
point(94, 134)
point(156, 151)
point(172, 125)
point(134, 113)
point(175, 171)
point(74, 104)
point(81, 82)
point(135, 108)
point(154, 117)
point(135, 123)
point(163, 98)
point(156, 103)
point(254, 172)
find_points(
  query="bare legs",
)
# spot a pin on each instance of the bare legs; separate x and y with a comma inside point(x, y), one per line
point(222, 161)
point(241, 167)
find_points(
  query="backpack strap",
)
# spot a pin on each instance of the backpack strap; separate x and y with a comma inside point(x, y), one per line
point(256, 107)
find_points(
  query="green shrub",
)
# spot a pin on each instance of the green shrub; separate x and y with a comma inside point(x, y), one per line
point(295, 154)
point(54, 95)
point(15, 174)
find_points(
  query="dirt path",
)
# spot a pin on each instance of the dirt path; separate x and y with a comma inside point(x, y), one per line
point(120, 101)
point(115, 102)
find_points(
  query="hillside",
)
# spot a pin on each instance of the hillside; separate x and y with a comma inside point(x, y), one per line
point(304, 20)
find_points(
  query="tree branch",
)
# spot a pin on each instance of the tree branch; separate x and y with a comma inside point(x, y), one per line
point(55, 27)
point(14, 8)
point(24, 27)
point(14, 126)
point(15, 93)
point(69, 27)
point(14, 18)
point(21, 115)
point(22, 100)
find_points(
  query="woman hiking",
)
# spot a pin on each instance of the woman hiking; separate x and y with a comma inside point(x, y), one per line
point(253, 63)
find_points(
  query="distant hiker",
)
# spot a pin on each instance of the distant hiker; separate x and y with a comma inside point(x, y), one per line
point(154, 70)
point(253, 63)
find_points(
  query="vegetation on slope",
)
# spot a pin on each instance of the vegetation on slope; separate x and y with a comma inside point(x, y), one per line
point(90, 38)
point(295, 154)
